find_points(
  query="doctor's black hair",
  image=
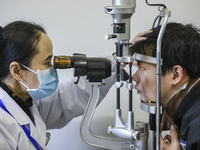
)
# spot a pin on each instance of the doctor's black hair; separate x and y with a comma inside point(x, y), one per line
point(18, 41)
point(180, 46)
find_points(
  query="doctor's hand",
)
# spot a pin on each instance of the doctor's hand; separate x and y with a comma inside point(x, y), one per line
point(139, 37)
point(170, 142)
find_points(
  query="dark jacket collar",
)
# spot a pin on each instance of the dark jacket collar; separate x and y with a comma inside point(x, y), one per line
point(177, 106)
point(188, 101)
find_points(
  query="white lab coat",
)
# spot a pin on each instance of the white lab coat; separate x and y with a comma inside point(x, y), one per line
point(52, 112)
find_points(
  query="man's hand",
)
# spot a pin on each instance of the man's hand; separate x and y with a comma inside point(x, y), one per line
point(170, 142)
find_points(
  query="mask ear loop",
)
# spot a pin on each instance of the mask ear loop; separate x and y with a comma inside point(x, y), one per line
point(22, 82)
point(28, 68)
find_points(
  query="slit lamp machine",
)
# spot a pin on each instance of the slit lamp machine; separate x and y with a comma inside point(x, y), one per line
point(127, 135)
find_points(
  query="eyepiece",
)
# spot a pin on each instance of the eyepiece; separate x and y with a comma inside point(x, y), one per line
point(62, 62)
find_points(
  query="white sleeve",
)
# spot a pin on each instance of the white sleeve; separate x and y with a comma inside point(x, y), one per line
point(3, 143)
point(70, 100)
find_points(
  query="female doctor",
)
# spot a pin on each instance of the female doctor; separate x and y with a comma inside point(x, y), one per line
point(32, 99)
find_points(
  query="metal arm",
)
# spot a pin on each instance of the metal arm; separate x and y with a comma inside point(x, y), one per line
point(166, 14)
point(86, 133)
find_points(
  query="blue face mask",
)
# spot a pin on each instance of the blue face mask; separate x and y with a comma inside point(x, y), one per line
point(48, 80)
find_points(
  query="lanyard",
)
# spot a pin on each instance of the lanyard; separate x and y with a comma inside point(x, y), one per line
point(23, 126)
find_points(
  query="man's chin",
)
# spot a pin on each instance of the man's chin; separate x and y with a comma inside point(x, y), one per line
point(147, 101)
point(144, 101)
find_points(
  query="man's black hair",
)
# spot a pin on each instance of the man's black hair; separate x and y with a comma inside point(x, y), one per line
point(180, 46)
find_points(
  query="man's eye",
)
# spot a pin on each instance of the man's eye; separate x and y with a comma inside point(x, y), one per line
point(137, 68)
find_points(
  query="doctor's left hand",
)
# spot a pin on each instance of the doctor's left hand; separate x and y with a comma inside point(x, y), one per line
point(173, 141)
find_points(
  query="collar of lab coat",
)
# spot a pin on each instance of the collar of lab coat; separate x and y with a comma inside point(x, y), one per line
point(37, 131)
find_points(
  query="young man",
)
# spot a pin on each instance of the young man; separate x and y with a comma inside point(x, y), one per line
point(180, 82)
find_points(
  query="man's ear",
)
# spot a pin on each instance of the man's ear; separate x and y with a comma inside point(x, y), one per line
point(15, 70)
point(177, 74)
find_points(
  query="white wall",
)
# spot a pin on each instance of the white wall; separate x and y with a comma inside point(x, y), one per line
point(80, 26)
